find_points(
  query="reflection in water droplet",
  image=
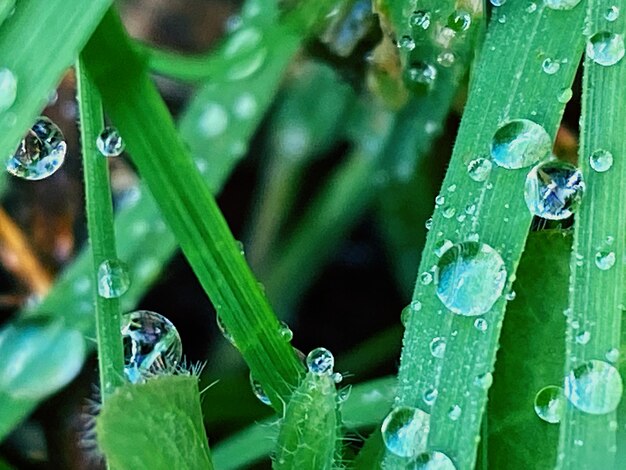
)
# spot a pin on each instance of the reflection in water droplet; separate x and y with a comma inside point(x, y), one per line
point(470, 277)
point(479, 169)
point(152, 345)
point(41, 152)
point(595, 387)
point(8, 89)
point(110, 143)
point(113, 278)
point(406, 43)
point(459, 21)
point(320, 361)
point(420, 19)
point(432, 461)
point(405, 431)
point(605, 48)
point(520, 143)
point(497, 3)
point(553, 190)
point(601, 160)
point(550, 404)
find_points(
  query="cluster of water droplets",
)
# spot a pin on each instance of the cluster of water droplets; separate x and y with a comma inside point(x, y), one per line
point(152, 345)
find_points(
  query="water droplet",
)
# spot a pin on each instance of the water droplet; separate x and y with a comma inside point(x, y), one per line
point(553, 190)
point(430, 395)
point(550, 66)
point(470, 277)
point(405, 431)
point(41, 152)
point(406, 43)
point(481, 324)
point(550, 404)
point(561, 4)
point(531, 8)
point(8, 89)
point(151, 345)
point(213, 120)
point(285, 332)
point(420, 19)
point(258, 391)
point(225, 333)
point(426, 278)
point(442, 246)
point(595, 387)
point(612, 355)
point(416, 305)
point(433, 460)
point(246, 46)
point(583, 337)
point(605, 259)
point(605, 48)
point(438, 347)
point(497, 3)
point(245, 106)
point(110, 143)
point(320, 361)
point(440, 200)
point(446, 59)
point(448, 212)
point(601, 160)
point(429, 223)
point(520, 143)
point(459, 21)
point(113, 278)
point(421, 73)
point(479, 169)
point(454, 413)
point(484, 381)
point(565, 95)
point(612, 13)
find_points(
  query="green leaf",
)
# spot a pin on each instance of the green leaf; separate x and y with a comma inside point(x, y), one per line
point(513, 52)
point(157, 424)
point(597, 296)
point(531, 354)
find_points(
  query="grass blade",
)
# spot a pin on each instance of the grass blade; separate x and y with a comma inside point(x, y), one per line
point(101, 235)
point(512, 56)
point(596, 302)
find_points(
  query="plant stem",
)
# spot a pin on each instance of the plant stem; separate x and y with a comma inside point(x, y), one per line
point(101, 233)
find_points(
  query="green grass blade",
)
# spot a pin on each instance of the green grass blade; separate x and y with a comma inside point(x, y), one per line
point(597, 295)
point(157, 424)
point(364, 408)
point(508, 83)
point(50, 39)
point(309, 431)
point(530, 357)
point(101, 234)
point(190, 209)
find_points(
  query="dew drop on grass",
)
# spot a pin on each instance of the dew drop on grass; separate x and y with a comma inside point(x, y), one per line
point(421, 73)
point(454, 413)
point(583, 337)
point(225, 333)
point(470, 277)
point(320, 361)
point(459, 21)
point(553, 190)
point(40, 153)
point(601, 160)
point(406, 43)
point(550, 404)
point(484, 381)
point(245, 106)
point(446, 59)
point(430, 395)
point(213, 120)
point(612, 355)
point(110, 143)
point(605, 259)
point(420, 19)
point(605, 48)
point(285, 332)
point(479, 169)
point(594, 387)
point(520, 143)
point(405, 431)
point(258, 391)
point(550, 66)
point(426, 278)
point(113, 278)
point(497, 3)
point(442, 246)
point(565, 95)
point(433, 460)
point(438, 347)
point(612, 13)
point(8, 89)
point(151, 345)
point(561, 4)
point(481, 324)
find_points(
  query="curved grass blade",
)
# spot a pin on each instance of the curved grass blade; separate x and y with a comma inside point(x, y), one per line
point(511, 58)
point(157, 424)
point(530, 357)
point(598, 283)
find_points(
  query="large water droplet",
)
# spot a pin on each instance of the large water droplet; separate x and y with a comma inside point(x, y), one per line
point(601, 160)
point(320, 361)
point(110, 143)
point(41, 152)
point(605, 48)
point(405, 431)
point(561, 4)
point(432, 461)
point(151, 345)
point(554, 190)
point(258, 391)
point(595, 387)
point(550, 404)
point(8, 89)
point(479, 169)
point(520, 143)
point(113, 278)
point(470, 277)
